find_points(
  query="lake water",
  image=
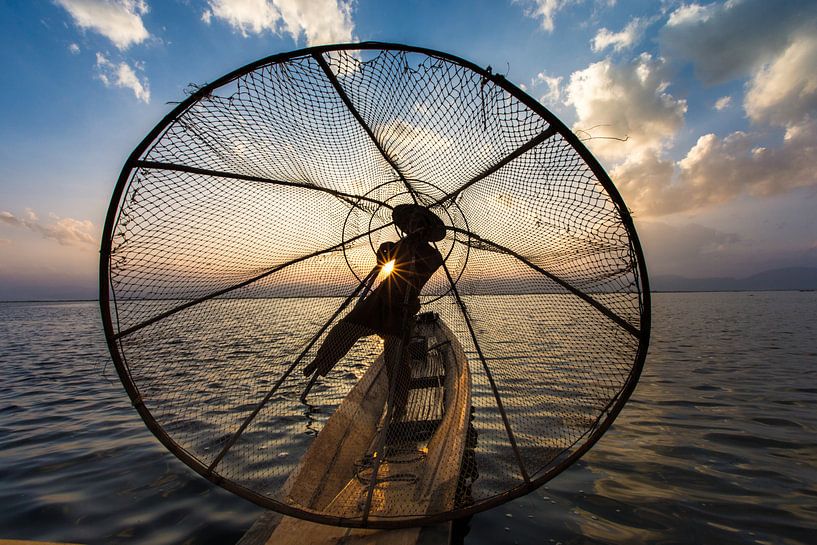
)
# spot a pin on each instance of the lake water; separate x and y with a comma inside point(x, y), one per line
point(718, 444)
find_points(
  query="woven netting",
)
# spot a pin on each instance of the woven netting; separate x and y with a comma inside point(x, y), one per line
point(245, 226)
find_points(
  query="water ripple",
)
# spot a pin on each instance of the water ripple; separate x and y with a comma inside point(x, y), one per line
point(717, 444)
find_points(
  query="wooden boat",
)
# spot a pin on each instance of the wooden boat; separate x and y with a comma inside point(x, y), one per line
point(421, 450)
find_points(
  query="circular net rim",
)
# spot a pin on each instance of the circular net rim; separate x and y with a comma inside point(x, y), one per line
point(598, 429)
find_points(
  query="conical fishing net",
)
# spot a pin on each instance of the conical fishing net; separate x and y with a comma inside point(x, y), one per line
point(246, 227)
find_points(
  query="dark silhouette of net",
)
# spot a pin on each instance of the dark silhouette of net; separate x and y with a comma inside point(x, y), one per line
point(245, 227)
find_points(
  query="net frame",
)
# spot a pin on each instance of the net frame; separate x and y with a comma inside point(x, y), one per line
point(114, 333)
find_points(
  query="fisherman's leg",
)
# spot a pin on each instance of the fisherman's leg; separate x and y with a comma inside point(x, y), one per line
point(398, 371)
point(337, 343)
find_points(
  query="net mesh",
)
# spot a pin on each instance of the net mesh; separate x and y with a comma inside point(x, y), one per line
point(246, 231)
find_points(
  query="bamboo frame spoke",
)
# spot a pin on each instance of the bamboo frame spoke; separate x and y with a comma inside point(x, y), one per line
point(333, 79)
point(521, 150)
point(349, 198)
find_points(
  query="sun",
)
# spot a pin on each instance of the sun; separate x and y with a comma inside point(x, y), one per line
point(388, 268)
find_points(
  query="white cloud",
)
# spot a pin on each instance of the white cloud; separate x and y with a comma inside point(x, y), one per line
point(10, 219)
point(716, 170)
point(74, 49)
point(777, 49)
point(646, 184)
point(66, 231)
point(398, 133)
point(545, 9)
point(630, 35)
point(719, 169)
point(553, 95)
point(118, 20)
point(731, 39)
point(123, 76)
point(318, 21)
point(629, 100)
point(321, 21)
point(246, 16)
point(784, 91)
point(689, 14)
point(723, 103)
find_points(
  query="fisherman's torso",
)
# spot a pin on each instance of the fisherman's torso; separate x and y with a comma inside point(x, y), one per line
point(414, 262)
point(398, 294)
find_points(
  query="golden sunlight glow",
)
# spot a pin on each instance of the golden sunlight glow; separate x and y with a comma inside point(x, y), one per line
point(388, 268)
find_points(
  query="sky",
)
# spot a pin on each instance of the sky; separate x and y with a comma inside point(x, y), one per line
point(704, 115)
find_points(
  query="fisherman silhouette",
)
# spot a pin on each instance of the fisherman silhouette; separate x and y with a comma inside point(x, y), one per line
point(388, 311)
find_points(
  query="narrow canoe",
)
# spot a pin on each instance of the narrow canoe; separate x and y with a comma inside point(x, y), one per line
point(420, 456)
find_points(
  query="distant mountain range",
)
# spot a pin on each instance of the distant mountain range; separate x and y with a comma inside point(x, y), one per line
point(791, 278)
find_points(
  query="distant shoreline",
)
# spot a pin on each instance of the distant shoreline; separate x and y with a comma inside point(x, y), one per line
point(799, 279)
point(805, 290)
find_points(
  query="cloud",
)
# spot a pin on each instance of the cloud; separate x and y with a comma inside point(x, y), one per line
point(74, 49)
point(122, 75)
point(118, 20)
point(10, 219)
point(775, 45)
point(246, 16)
point(722, 168)
point(731, 39)
point(716, 170)
point(779, 54)
point(629, 100)
point(398, 133)
point(645, 183)
point(544, 9)
point(66, 231)
point(690, 14)
point(723, 103)
point(630, 35)
point(784, 91)
point(553, 95)
point(319, 21)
